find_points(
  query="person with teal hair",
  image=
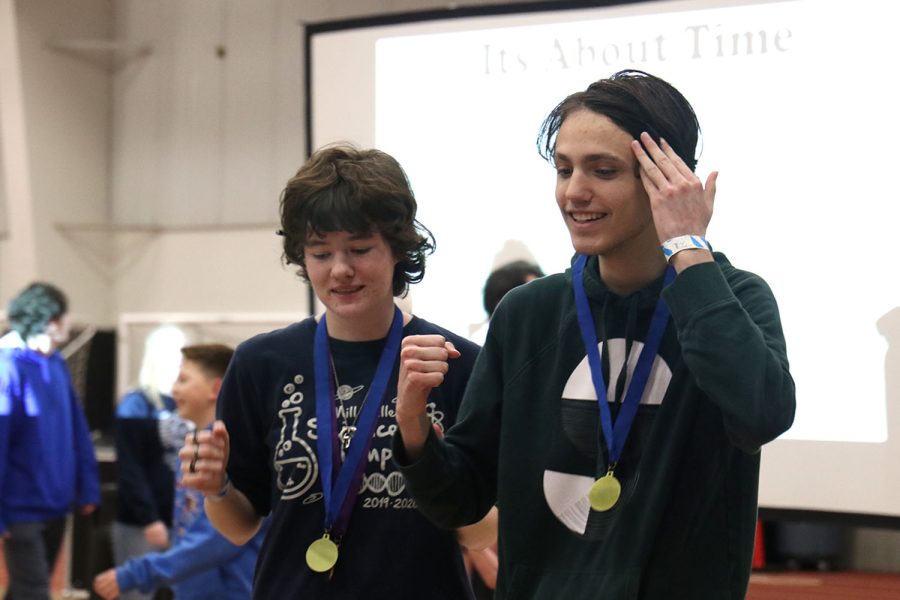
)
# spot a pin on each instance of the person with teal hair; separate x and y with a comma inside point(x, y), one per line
point(47, 462)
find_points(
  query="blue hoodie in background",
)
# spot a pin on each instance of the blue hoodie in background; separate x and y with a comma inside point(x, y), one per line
point(47, 462)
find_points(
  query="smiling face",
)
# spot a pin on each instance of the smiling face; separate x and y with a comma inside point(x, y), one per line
point(599, 193)
point(352, 274)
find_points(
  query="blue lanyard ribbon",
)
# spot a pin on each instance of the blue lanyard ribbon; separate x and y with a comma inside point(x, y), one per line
point(615, 435)
point(340, 495)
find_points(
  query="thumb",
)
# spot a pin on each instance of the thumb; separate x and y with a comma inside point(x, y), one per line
point(438, 431)
point(219, 431)
point(220, 435)
point(451, 350)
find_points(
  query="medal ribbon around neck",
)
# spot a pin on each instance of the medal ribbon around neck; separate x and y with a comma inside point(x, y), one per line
point(614, 435)
point(340, 495)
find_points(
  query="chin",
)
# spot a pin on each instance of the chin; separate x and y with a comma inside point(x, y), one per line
point(587, 247)
point(347, 311)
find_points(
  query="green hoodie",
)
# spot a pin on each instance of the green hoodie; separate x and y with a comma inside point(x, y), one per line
point(528, 439)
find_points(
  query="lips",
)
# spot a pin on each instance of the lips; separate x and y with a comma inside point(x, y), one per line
point(584, 217)
point(341, 291)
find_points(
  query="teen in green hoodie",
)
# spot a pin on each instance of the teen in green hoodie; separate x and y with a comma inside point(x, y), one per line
point(650, 491)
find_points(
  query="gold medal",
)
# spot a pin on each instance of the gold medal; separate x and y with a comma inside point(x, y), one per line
point(322, 554)
point(604, 492)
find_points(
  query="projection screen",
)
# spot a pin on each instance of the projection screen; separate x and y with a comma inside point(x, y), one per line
point(797, 106)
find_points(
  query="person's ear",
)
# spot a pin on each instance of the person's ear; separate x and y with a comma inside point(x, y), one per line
point(57, 330)
point(53, 326)
point(216, 386)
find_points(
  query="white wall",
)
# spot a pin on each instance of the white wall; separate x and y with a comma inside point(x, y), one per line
point(57, 170)
point(206, 131)
point(149, 182)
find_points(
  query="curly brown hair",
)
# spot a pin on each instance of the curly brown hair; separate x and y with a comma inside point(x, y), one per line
point(344, 188)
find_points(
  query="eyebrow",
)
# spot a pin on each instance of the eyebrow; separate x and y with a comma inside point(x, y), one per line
point(593, 157)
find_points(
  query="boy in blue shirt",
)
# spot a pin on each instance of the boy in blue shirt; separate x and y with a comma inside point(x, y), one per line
point(201, 563)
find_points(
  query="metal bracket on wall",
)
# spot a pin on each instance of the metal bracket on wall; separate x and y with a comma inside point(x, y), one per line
point(109, 249)
point(110, 55)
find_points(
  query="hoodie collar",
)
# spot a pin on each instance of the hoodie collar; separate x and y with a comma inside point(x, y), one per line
point(12, 340)
point(597, 290)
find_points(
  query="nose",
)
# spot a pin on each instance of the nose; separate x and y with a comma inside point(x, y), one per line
point(342, 267)
point(577, 188)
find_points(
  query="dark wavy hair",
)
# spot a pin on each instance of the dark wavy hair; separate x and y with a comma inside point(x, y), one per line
point(635, 101)
point(34, 307)
point(344, 188)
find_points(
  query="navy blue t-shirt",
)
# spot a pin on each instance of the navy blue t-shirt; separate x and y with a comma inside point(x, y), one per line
point(268, 404)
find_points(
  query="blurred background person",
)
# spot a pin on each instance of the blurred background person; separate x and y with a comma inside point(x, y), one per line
point(200, 563)
point(145, 463)
point(47, 462)
point(501, 280)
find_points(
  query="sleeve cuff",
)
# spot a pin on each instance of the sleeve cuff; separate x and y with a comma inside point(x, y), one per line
point(696, 288)
point(425, 472)
point(124, 578)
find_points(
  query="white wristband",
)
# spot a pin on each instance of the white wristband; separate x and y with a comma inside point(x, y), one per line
point(684, 242)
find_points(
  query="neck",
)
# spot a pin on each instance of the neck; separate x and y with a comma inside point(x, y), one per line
point(625, 275)
point(42, 343)
point(206, 419)
point(361, 328)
